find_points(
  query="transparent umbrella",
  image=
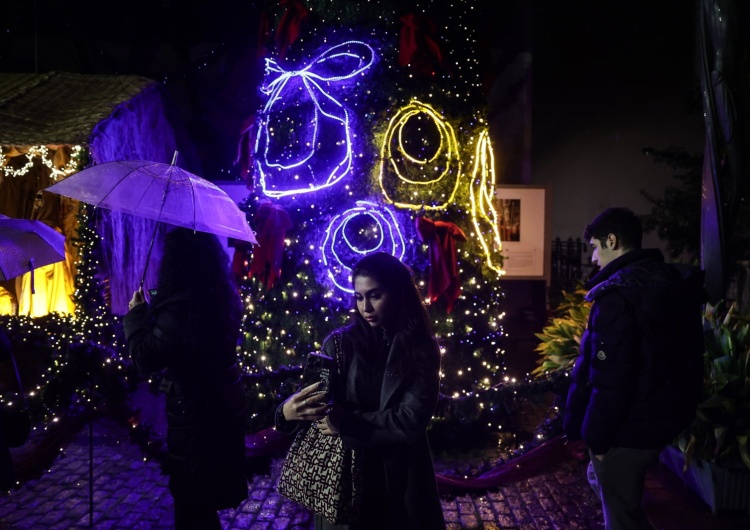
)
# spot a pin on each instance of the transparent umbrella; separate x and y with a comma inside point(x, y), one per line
point(26, 244)
point(160, 192)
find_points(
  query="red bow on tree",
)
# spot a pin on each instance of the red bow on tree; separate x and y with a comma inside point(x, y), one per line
point(272, 222)
point(418, 48)
point(245, 151)
point(443, 280)
point(286, 32)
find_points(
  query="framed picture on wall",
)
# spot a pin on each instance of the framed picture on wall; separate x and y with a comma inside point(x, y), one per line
point(523, 215)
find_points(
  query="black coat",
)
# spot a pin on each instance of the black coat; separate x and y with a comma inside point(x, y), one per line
point(391, 429)
point(205, 398)
point(395, 437)
point(638, 377)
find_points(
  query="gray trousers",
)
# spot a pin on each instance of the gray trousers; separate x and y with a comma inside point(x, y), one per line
point(619, 480)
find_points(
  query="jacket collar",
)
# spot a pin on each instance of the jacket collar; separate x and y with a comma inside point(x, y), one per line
point(610, 276)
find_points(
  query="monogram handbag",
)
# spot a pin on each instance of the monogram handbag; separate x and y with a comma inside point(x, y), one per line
point(320, 474)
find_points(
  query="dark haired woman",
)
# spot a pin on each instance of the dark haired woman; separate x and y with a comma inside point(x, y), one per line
point(189, 332)
point(391, 376)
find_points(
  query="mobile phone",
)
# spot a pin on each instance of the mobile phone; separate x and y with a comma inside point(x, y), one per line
point(319, 367)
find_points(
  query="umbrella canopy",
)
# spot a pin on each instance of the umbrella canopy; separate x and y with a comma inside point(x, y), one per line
point(160, 192)
point(27, 244)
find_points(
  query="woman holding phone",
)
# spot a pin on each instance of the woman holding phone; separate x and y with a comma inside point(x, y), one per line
point(391, 381)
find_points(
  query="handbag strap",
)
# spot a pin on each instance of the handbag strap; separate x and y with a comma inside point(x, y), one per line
point(337, 350)
point(339, 358)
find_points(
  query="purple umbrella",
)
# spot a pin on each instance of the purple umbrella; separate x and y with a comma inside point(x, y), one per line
point(160, 192)
point(27, 244)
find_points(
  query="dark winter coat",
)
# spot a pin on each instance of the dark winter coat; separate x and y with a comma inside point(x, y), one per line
point(638, 377)
point(205, 398)
point(391, 429)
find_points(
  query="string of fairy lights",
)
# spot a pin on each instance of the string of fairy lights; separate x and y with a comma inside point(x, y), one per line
point(412, 155)
point(286, 162)
point(417, 176)
point(419, 170)
point(82, 351)
point(41, 154)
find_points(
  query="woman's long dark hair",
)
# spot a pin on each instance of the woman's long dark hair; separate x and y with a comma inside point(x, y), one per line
point(195, 265)
point(411, 323)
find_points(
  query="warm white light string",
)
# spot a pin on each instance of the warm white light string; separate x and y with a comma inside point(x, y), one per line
point(42, 154)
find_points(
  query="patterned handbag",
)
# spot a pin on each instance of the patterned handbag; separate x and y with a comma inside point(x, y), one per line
point(320, 474)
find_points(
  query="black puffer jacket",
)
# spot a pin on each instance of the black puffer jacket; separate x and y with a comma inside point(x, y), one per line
point(205, 397)
point(637, 380)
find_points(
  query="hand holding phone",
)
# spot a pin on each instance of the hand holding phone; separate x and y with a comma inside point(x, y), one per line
point(319, 368)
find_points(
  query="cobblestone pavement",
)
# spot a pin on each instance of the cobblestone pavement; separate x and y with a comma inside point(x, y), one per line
point(130, 492)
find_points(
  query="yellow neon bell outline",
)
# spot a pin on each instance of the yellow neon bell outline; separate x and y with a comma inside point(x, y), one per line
point(396, 161)
point(482, 193)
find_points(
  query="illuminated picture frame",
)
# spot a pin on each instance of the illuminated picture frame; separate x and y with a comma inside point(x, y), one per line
point(523, 216)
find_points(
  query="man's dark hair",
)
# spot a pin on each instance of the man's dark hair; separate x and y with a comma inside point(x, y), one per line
point(621, 222)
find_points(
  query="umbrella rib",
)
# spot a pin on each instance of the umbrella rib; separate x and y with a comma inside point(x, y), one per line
point(112, 188)
point(146, 190)
point(192, 195)
point(153, 236)
point(120, 181)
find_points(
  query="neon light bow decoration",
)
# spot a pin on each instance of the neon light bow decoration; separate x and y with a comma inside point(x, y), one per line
point(483, 213)
point(350, 235)
point(419, 160)
point(303, 142)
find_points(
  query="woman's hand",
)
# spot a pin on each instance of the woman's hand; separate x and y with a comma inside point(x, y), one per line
point(308, 404)
point(329, 424)
point(137, 299)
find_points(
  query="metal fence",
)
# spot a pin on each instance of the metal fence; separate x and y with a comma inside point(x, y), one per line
point(570, 265)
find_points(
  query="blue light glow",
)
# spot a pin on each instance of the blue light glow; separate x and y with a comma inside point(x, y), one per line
point(366, 228)
point(304, 142)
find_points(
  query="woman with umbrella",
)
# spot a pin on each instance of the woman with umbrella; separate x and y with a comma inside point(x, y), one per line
point(189, 333)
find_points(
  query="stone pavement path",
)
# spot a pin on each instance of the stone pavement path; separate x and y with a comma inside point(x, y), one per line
point(131, 493)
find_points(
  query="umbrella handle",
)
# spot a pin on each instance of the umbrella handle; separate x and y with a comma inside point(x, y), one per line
point(31, 270)
point(148, 256)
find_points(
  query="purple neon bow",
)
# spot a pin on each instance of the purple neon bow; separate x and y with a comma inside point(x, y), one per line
point(313, 151)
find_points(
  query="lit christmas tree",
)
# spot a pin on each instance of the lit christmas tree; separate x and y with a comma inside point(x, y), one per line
point(371, 135)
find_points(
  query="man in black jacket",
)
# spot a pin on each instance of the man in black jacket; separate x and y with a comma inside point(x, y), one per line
point(638, 377)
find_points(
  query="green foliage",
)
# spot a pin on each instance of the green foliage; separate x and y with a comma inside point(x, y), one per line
point(676, 215)
point(559, 340)
point(721, 427)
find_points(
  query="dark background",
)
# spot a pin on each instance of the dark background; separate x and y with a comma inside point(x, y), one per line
point(587, 55)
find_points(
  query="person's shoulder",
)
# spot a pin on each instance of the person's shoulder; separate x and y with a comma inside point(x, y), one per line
point(341, 334)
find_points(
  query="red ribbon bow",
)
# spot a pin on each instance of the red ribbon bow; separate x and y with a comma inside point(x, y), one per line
point(286, 32)
point(418, 47)
point(272, 222)
point(443, 280)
